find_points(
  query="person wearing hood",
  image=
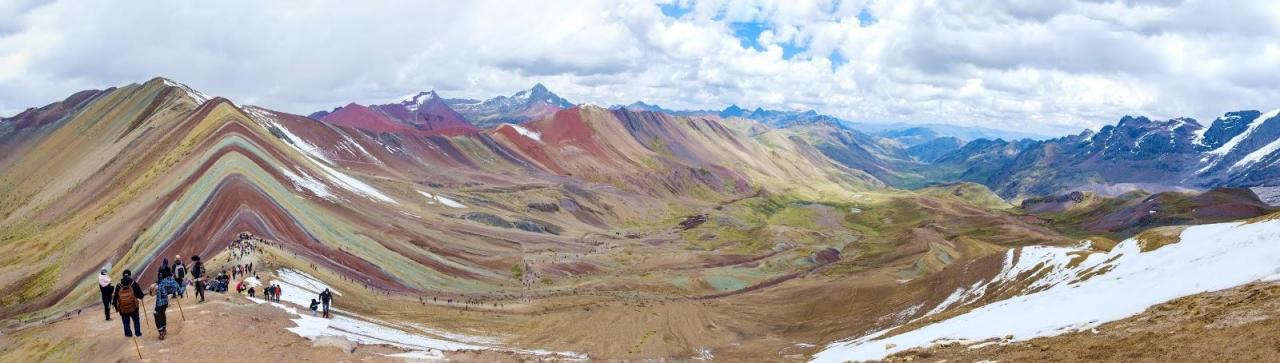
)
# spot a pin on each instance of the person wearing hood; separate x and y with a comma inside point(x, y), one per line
point(105, 288)
point(164, 271)
point(127, 298)
point(165, 288)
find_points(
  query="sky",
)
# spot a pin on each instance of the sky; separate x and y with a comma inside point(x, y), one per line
point(1046, 66)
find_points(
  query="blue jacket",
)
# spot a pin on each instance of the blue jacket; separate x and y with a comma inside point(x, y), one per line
point(167, 286)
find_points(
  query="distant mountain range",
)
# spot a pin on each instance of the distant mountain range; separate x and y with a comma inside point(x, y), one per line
point(1238, 149)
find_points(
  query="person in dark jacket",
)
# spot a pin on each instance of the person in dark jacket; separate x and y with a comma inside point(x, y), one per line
point(164, 270)
point(105, 288)
point(127, 297)
point(197, 274)
point(325, 298)
point(180, 275)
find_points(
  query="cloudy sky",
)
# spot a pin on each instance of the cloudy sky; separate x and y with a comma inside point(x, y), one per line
point(1046, 66)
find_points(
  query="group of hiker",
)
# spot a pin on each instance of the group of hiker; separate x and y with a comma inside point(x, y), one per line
point(172, 281)
point(271, 293)
point(126, 296)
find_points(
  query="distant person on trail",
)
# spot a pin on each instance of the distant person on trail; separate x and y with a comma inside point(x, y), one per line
point(164, 288)
point(197, 274)
point(105, 288)
point(180, 275)
point(126, 298)
point(277, 293)
point(325, 298)
point(314, 306)
point(164, 271)
point(240, 287)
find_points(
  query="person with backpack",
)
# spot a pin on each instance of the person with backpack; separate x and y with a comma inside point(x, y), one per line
point(180, 275)
point(165, 288)
point(105, 289)
point(126, 298)
point(197, 274)
point(325, 298)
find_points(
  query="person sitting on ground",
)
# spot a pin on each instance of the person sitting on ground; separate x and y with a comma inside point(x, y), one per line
point(127, 298)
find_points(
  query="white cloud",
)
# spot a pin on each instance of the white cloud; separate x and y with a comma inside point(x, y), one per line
point(1045, 65)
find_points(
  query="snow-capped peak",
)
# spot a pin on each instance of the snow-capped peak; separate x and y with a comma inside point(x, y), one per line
point(416, 101)
point(1231, 144)
point(197, 95)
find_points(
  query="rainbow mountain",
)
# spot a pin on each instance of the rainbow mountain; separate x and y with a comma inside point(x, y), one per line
point(118, 178)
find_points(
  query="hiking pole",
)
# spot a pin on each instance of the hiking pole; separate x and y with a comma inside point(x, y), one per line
point(184, 315)
point(135, 347)
point(142, 305)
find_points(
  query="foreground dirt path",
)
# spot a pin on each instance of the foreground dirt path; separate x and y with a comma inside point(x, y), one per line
point(1241, 324)
point(224, 328)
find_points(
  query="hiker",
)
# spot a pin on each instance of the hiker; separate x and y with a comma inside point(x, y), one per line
point(251, 292)
point(126, 299)
point(164, 288)
point(197, 274)
point(240, 287)
point(180, 275)
point(164, 271)
point(104, 288)
point(314, 306)
point(325, 298)
point(277, 293)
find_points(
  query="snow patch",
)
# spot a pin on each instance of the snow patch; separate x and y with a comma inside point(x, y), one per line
point(1208, 258)
point(197, 95)
point(299, 288)
point(306, 182)
point(1258, 154)
point(448, 202)
point(355, 185)
point(526, 132)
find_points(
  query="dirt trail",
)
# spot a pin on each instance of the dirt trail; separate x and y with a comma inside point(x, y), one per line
point(224, 328)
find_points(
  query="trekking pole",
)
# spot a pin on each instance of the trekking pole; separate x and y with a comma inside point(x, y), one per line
point(142, 305)
point(135, 347)
point(184, 315)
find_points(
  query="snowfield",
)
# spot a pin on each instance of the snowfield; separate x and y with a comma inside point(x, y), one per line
point(526, 132)
point(1124, 282)
point(299, 288)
